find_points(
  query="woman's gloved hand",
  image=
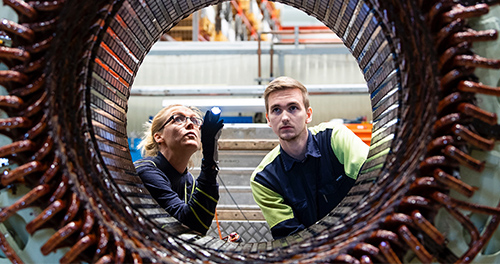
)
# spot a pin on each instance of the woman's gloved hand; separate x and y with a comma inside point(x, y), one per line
point(210, 133)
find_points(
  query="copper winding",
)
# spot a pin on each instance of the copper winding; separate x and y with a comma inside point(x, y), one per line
point(42, 26)
point(468, 86)
point(439, 143)
point(405, 219)
point(8, 250)
point(136, 258)
point(22, 8)
point(78, 248)
point(473, 36)
point(89, 221)
point(45, 216)
point(120, 251)
point(105, 260)
point(17, 29)
point(47, 6)
point(451, 130)
point(14, 122)
point(40, 46)
point(9, 101)
point(454, 183)
point(102, 244)
point(428, 228)
point(448, 80)
point(463, 158)
point(365, 249)
point(459, 11)
point(422, 254)
point(72, 209)
point(475, 61)
point(12, 76)
point(477, 113)
point(388, 252)
point(22, 171)
point(24, 202)
point(385, 236)
point(454, 203)
point(31, 67)
point(35, 107)
point(465, 222)
point(14, 53)
point(462, 133)
point(443, 35)
point(448, 58)
point(36, 85)
point(44, 149)
point(37, 128)
point(56, 240)
point(61, 188)
point(17, 147)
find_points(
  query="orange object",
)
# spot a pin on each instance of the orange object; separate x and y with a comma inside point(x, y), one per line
point(363, 131)
point(218, 226)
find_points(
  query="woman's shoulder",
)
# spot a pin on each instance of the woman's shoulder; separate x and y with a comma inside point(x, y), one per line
point(145, 162)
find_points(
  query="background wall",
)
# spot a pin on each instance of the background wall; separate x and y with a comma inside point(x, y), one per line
point(169, 72)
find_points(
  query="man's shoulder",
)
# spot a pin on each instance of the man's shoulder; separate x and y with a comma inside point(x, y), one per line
point(323, 127)
point(269, 159)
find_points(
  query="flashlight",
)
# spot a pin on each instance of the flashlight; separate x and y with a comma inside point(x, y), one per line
point(215, 110)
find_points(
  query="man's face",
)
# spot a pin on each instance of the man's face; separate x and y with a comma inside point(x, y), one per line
point(287, 115)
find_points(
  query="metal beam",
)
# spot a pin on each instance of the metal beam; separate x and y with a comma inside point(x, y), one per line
point(164, 48)
point(245, 90)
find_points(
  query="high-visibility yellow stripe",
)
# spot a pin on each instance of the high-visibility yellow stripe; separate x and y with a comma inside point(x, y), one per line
point(210, 197)
point(199, 220)
point(202, 207)
point(271, 204)
point(143, 161)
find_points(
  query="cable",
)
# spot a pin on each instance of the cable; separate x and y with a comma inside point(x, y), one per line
point(237, 206)
point(217, 221)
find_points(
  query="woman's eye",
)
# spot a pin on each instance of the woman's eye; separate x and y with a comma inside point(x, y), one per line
point(180, 119)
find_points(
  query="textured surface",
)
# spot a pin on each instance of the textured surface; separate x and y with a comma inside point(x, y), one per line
point(71, 64)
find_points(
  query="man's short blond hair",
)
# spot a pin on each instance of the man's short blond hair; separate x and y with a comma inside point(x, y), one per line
point(285, 83)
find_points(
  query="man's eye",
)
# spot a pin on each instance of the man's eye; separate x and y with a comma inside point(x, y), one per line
point(293, 108)
point(276, 110)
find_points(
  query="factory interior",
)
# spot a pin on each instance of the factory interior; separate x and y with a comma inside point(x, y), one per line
point(229, 68)
point(430, 126)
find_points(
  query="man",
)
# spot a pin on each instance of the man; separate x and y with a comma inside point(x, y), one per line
point(309, 173)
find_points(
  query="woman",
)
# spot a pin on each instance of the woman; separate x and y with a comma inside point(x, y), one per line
point(173, 136)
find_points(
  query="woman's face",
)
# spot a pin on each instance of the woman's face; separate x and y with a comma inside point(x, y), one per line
point(177, 136)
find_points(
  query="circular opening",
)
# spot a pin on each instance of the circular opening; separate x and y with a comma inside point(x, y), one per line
point(86, 103)
point(355, 22)
point(204, 74)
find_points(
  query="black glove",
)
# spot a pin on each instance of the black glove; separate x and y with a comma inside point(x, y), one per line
point(210, 133)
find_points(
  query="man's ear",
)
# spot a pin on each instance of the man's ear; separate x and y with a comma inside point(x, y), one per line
point(267, 118)
point(309, 113)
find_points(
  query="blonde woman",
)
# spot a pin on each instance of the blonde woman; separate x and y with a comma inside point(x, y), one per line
point(173, 136)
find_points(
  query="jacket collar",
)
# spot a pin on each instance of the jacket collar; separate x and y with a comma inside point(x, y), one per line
point(165, 166)
point(312, 150)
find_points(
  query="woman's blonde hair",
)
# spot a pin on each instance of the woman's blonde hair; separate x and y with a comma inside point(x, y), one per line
point(148, 146)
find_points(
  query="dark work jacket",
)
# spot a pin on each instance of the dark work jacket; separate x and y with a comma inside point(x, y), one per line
point(190, 201)
point(294, 194)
